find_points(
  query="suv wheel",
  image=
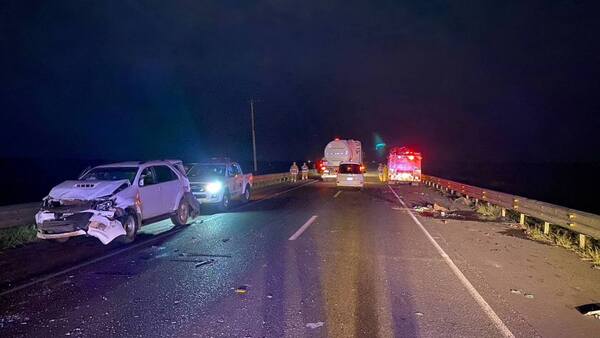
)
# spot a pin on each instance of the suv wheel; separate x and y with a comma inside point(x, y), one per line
point(182, 214)
point(225, 201)
point(130, 226)
point(247, 194)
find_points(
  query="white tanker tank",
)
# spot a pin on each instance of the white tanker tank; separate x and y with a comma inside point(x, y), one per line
point(338, 151)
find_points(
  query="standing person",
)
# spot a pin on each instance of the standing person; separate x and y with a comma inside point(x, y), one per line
point(304, 171)
point(380, 171)
point(385, 172)
point(294, 172)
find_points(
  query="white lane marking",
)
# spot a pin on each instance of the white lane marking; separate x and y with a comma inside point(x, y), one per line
point(476, 295)
point(136, 245)
point(337, 194)
point(303, 228)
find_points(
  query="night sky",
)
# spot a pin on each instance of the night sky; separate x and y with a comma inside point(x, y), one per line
point(497, 81)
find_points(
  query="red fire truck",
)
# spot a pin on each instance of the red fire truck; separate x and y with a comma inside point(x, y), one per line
point(404, 165)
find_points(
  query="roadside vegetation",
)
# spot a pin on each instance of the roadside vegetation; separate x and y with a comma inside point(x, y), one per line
point(557, 236)
point(489, 210)
point(12, 237)
point(565, 239)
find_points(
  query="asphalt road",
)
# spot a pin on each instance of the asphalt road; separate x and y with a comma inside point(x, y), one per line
point(311, 261)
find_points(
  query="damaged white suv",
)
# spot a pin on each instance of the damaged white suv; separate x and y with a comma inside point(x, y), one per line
point(115, 200)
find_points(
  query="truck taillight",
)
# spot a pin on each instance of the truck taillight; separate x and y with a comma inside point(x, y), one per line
point(411, 157)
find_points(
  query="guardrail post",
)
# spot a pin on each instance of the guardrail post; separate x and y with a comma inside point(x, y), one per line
point(476, 201)
point(546, 228)
point(503, 212)
point(582, 241)
point(522, 219)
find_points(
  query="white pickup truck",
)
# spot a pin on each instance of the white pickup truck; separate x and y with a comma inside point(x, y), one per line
point(218, 181)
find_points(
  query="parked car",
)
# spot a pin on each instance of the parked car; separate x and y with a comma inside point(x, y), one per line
point(350, 175)
point(218, 181)
point(115, 200)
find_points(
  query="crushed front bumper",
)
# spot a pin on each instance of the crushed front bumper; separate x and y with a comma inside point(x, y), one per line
point(99, 224)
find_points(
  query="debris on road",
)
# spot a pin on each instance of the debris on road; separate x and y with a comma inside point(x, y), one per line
point(529, 295)
point(225, 240)
point(187, 254)
point(209, 261)
point(420, 314)
point(243, 289)
point(462, 201)
point(314, 325)
point(269, 295)
point(437, 207)
point(515, 291)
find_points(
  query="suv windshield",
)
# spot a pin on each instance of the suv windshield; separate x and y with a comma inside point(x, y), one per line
point(349, 169)
point(204, 170)
point(111, 174)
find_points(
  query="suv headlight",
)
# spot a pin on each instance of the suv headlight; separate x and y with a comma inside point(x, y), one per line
point(104, 205)
point(214, 187)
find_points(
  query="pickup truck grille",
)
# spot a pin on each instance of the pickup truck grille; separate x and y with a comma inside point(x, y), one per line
point(66, 224)
point(198, 187)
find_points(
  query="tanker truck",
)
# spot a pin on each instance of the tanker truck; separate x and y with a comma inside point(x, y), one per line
point(338, 151)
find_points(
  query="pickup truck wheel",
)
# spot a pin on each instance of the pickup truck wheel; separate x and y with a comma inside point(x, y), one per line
point(182, 214)
point(130, 226)
point(247, 194)
point(225, 201)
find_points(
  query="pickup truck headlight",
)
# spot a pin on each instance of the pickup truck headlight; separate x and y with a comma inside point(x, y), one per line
point(214, 187)
point(104, 205)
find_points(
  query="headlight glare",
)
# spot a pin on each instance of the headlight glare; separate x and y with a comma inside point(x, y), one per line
point(214, 187)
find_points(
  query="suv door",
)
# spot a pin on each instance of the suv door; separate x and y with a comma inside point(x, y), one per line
point(239, 179)
point(170, 187)
point(149, 193)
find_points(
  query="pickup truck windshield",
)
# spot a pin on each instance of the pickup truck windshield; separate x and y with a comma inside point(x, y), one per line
point(207, 170)
point(349, 169)
point(111, 174)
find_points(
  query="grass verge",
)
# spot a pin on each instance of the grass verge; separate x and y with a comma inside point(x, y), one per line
point(489, 210)
point(12, 237)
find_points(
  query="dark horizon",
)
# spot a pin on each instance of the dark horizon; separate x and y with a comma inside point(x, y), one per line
point(121, 80)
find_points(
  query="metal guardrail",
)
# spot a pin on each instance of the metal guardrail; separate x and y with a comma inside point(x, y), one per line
point(581, 222)
point(23, 214)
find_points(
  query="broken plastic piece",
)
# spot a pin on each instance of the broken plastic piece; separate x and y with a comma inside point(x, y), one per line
point(209, 261)
point(241, 289)
point(515, 291)
point(314, 325)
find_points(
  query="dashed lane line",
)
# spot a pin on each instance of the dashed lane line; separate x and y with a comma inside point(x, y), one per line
point(303, 228)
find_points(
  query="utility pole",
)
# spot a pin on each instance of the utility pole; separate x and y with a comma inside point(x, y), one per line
point(253, 135)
